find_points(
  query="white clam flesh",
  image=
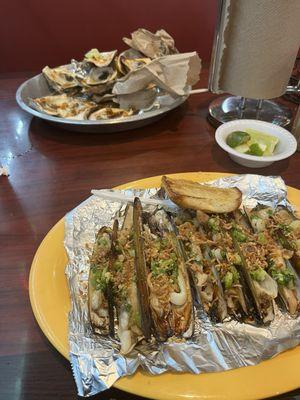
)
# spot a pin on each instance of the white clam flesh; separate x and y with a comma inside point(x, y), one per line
point(179, 298)
point(124, 332)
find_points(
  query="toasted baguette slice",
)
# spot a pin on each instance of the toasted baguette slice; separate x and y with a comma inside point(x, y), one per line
point(187, 194)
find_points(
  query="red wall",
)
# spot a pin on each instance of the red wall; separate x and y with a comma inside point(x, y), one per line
point(35, 33)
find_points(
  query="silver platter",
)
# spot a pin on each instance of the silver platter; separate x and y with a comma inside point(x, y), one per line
point(38, 87)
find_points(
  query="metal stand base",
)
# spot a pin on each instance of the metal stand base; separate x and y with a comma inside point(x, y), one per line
point(229, 108)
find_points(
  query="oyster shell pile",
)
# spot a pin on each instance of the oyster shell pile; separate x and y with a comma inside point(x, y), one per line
point(84, 89)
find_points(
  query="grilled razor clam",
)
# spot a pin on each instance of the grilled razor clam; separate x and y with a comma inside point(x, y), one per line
point(98, 281)
point(205, 277)
point(61, 78)
point(110, 113)
point(125, 288)
point(281, 271)
point(254, 268)
point(167, 279)
point(227, 261)
point(64, 106)
point(100, 59)
point(130, 60)
point(141, 270)
point(278, 265)
point(289, 233)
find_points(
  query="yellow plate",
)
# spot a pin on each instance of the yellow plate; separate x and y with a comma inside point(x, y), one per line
point(50, 302)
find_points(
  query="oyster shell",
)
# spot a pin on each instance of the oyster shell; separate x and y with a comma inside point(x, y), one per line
point(97, 92)
point(110, 113)
point(99, 76)
point(61, 78)
point(64, 106)
point(152, 45)
point(139, 100)
point(100, 59)
point(130, 60)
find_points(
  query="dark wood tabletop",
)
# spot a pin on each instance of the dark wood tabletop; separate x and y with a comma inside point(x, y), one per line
point(50, 172)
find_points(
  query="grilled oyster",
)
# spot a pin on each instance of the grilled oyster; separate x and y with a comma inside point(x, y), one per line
point(273, 231)
point(99, 283)
point(64, 106)
point(99, 76)
point(130, 60)
point(153, 45)
point(167, 279)
point(100, 59)
point(61, 78)
point(110, 113)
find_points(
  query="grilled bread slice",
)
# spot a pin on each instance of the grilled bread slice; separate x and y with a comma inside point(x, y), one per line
point(188, 194)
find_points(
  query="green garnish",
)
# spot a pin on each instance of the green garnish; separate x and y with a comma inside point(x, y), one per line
point(258, 274)
point(239, 235)
point(261, 238)
point(236, 259)
point(103, 242)
point(286, 229)
point(165, 267)
point(228, 280)
point(132, 252)
point(255, 150)
point(231, 277)
point(100, 278)
point(213, 223)
point(283, 277)
point(118, 265)
point(237, 138)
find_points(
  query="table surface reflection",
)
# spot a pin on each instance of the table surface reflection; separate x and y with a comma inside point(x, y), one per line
point(50, 172)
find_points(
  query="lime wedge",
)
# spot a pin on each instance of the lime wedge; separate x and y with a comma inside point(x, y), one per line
point(243, 148)
point(237, 138)
point(267, 143)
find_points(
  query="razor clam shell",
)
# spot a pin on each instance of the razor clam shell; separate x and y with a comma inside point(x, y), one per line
point(96, 361)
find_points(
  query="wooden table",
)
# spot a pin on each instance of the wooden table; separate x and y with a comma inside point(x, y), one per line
point(52, 171)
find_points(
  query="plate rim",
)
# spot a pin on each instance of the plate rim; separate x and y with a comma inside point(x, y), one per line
point(86, 123)
point(125, 383)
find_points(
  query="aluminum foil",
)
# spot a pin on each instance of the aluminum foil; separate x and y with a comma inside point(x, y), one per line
point(96, 361)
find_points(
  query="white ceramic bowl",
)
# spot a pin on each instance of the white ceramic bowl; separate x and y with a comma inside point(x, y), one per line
point(285, 148)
